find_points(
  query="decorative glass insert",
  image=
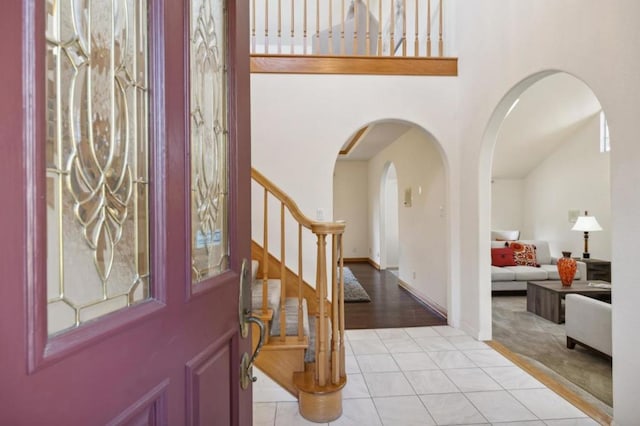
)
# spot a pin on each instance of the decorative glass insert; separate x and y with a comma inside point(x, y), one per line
point(96, 158)
point(209, 140)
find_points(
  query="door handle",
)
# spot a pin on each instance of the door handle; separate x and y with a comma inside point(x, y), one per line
point(246, 365)
point(245, 317)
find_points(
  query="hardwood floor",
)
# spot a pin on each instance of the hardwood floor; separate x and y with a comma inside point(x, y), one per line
point(391, 305)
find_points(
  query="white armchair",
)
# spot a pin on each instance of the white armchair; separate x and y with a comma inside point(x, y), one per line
point(588, 322)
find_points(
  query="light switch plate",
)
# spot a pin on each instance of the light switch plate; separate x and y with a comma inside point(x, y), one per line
point(407, 197)
point(573, 215)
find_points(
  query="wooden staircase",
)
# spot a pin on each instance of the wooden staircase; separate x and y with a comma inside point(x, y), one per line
point(304, 342)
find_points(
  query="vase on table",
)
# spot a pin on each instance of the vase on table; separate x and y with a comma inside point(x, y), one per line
point(567, 267)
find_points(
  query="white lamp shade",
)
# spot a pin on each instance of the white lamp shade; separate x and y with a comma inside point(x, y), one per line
point(586, 224)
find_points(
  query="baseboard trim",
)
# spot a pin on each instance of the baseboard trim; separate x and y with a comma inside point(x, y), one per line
point(555, 386)
point(424, 299)
point(356, 260)
point(373, 263)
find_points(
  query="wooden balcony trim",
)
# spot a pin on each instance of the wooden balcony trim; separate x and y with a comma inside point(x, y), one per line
point(367, 65)
point(353, 141)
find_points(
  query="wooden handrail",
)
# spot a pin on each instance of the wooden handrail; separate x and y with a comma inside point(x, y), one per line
point(329, 351)
point(284, 198)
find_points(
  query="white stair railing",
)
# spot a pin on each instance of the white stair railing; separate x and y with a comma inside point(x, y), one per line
point(403, 28)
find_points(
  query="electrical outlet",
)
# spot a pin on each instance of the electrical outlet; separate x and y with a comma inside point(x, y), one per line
point(414, 275)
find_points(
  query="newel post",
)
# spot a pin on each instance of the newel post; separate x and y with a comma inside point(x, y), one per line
point(328, 366)
point(321, 291)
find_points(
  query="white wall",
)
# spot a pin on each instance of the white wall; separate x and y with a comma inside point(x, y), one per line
point(351, 200)
point(576, 176)
point(421, 227)
point(503, 46)
point(306, 128)
point(507, 199)
point(389, 255)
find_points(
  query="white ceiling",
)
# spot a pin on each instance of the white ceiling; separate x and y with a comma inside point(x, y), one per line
point(376, 138)
point(545, 115)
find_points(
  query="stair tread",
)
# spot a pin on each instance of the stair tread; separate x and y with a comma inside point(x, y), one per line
point(291, 311)
point(290, 342)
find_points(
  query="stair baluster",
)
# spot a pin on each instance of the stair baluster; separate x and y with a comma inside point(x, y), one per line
point(265, 256)
point(321, 338)
point(317, 383)
point(335, 349)
point(341, 310)
point(300, 325)
point(283, 288)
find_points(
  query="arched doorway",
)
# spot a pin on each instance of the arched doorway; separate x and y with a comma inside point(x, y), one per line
point(389, 232)
point(381, 166)
point(546, 164)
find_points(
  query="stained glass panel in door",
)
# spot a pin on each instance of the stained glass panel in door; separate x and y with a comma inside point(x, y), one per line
point(209, 138)
point(97, 152)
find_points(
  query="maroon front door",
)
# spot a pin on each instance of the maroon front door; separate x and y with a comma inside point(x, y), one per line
point(124, 185)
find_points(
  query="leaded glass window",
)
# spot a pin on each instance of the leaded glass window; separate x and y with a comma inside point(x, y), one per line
point(209, 139)
point(97, 150)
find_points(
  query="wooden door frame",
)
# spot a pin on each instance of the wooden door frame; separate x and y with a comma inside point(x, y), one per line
point(240, 183)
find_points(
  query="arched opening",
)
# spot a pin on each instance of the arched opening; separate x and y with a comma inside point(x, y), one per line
point(546, 163)
point(389, 232)
point(391, 187)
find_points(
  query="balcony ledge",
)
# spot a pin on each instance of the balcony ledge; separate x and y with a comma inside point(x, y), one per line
point(363, 65)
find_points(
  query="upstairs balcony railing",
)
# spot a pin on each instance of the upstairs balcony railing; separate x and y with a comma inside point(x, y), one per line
point(290, 32)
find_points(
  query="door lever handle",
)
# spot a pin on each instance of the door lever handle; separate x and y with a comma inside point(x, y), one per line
point(247, 363)
point(245, 317)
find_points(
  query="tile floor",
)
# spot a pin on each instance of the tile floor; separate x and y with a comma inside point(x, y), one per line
point(426, 376)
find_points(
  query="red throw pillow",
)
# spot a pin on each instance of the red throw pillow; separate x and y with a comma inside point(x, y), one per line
point(524, 254)
point(502, 257)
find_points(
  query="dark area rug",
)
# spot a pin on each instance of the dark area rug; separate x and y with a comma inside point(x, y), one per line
point(544, 342)
point(353, 291)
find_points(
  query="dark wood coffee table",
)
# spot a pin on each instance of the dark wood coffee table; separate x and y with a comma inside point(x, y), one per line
point(544, 298)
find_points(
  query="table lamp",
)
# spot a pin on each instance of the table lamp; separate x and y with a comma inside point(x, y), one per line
point(586, 224)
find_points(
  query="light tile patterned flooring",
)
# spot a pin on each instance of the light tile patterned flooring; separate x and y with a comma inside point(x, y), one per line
point(426, 376)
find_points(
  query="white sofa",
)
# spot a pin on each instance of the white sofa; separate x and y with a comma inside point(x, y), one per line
point(511, 278)
point(588, 322)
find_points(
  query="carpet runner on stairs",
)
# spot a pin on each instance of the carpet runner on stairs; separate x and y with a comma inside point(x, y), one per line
point(291, 309)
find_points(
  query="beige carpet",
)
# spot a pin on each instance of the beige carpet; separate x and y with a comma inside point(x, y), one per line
point(544, 342)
